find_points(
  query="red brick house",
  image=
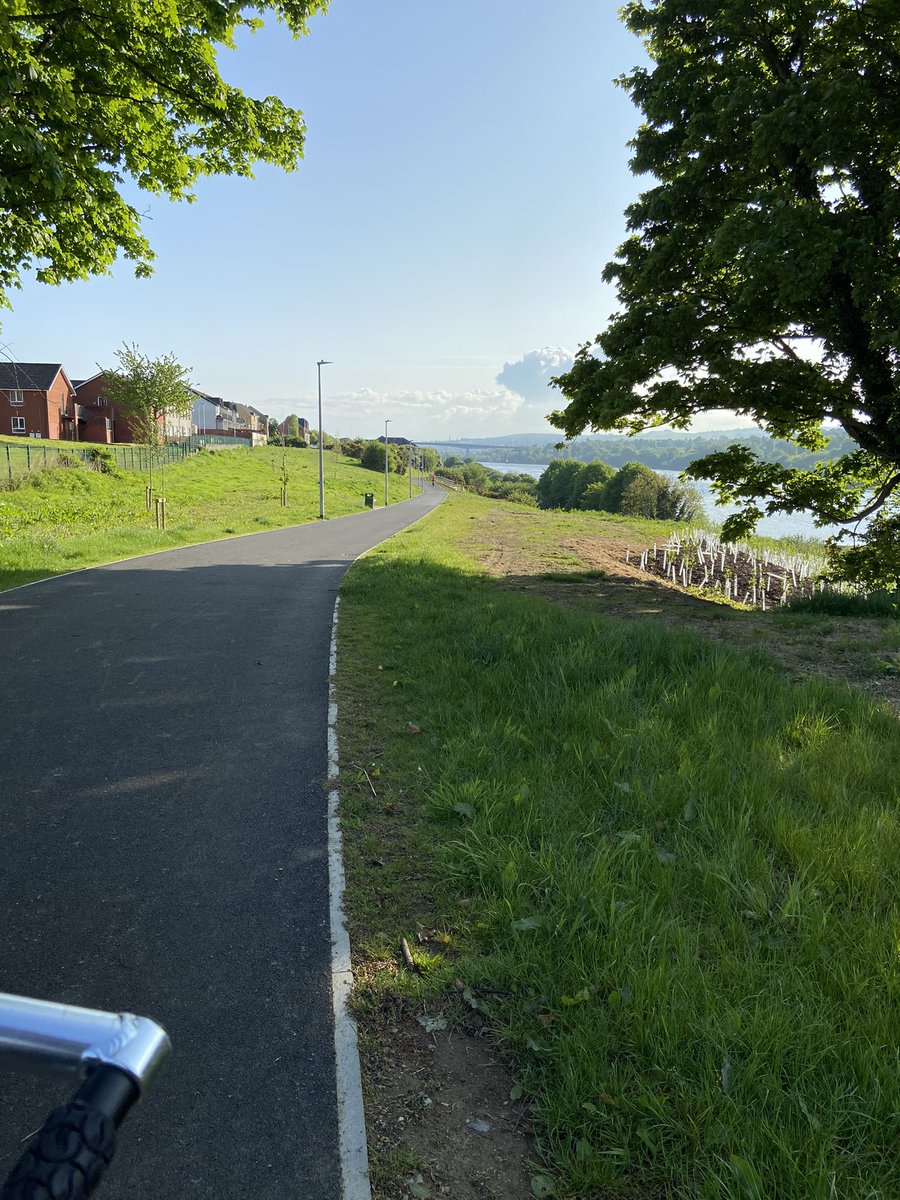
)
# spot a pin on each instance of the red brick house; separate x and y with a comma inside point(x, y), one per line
point(100, 423)
point(103, 422)
point(38, 400)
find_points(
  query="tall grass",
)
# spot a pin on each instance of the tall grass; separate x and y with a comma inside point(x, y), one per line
point(681, 869)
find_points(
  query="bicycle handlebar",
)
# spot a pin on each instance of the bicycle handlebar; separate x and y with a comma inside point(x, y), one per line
point(54, 1037)
point(119, 1054)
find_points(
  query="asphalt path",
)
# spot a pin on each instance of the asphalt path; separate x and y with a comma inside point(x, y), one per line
point(163, 844)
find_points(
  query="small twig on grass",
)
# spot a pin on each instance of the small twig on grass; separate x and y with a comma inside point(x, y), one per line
point(368, 780)
point(408, 958)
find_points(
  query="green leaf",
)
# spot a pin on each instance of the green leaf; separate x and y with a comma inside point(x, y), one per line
point(542, 1186)
point(579, 998)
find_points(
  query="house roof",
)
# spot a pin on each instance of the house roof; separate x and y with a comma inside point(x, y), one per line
point(36, 377)
point(77, 383)
point(205, 396)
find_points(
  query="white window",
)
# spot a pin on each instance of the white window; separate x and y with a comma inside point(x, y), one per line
point(101, 402)
point(18, 424)
point(16, 397)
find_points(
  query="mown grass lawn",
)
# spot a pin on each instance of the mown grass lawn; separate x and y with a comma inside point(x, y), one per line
point(666, 874)
point(65, 518)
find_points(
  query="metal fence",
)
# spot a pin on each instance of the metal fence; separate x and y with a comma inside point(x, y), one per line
point(19, 458)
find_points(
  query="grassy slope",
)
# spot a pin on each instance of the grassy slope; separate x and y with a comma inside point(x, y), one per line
point(63, 519)
point(682, 869)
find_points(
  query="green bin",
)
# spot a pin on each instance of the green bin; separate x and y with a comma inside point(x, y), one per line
point(369, 499)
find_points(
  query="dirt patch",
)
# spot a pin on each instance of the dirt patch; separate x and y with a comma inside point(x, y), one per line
point(438, 1110)
point(864, 653)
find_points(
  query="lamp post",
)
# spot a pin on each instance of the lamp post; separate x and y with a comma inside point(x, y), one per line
point(322, 362)
point(386, 463)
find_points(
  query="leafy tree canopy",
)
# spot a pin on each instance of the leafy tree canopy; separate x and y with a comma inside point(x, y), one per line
point(96, 94)
point(761, 273)
point(148, 390)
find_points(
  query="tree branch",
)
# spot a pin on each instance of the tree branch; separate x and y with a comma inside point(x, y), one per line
point(884, 491)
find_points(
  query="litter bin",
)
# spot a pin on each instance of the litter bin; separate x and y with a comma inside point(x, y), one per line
point(369, 499)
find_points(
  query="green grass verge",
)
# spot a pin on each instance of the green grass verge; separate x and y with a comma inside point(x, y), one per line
point(681, 870)
point(65, 518)
point(879, 604)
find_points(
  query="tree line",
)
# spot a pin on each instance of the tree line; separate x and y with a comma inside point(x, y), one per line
point(633, 490)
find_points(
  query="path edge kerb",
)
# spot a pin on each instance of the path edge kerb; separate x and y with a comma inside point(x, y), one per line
point(352, 1142)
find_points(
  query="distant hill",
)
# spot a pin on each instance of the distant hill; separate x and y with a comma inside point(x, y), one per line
point(665, 451)
point(548, 439)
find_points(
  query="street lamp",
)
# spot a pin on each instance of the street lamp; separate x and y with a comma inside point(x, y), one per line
point(322, 362)
point(387, 422)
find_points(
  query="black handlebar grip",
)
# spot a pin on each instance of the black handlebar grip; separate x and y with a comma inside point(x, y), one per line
point(67, 1158)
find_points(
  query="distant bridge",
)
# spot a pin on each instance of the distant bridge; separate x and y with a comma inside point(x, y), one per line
point(439, 445)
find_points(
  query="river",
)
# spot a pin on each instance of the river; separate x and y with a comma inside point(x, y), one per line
point(798, 524)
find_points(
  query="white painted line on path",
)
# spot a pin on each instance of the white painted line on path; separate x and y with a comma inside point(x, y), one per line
point(351, 1117)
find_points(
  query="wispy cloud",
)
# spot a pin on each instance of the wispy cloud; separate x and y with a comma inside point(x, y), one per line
point(414, 414)
point(428, 412)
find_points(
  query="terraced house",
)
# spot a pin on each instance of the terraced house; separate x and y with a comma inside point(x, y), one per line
point(38, 400)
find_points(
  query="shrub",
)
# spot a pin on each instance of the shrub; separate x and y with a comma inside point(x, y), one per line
point(102, 459)
point(372, 457)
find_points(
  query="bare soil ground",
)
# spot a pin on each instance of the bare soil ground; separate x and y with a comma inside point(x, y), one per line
point(438, 1110)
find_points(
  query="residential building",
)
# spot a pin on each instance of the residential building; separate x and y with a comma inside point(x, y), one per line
point(302, 424)
point(38, 400)
point(103, 422)
point(262, 420)
point(99, 417)
point(213, 415)
point(208, 413)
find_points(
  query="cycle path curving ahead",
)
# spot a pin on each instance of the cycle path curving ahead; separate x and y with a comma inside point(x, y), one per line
point(163, 844)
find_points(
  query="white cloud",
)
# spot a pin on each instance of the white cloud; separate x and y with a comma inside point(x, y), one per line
point(420, 414)
point(413, 414)
point(520, 404)
point(530, 375)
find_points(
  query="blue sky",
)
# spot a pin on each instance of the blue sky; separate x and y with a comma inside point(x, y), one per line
point(465, 179)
